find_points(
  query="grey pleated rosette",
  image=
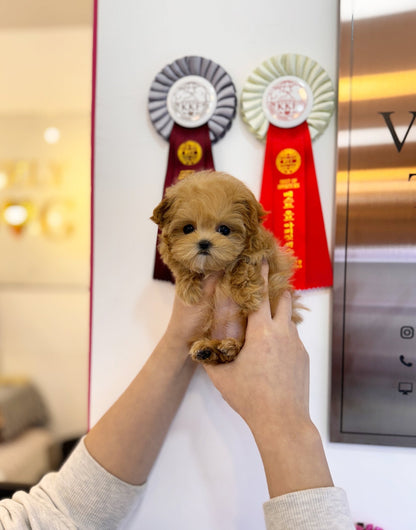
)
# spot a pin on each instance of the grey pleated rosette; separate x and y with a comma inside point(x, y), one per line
point(192, 91)
point(312, 84)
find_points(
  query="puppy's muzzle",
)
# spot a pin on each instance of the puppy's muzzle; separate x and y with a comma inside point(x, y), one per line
point(204, 245)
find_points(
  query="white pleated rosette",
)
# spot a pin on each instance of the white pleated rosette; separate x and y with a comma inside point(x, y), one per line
point(288, 66)
point(192, 91)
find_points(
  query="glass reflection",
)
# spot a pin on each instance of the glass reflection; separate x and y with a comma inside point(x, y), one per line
point(375, 254)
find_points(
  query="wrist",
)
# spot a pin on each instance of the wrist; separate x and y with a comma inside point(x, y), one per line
point(175, 348)
point(277, 435)
point(293, 458)
point(173, 341)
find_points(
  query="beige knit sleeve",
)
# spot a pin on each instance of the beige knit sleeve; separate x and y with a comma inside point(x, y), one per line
point(81, 495)
point(314, 509)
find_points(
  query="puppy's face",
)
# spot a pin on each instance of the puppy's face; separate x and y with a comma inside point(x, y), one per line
point(206, 221)
point(202, 237)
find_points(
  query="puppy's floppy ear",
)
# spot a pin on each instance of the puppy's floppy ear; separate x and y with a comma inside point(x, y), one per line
point(261, 212)
point(254, 214)
point(160, 213)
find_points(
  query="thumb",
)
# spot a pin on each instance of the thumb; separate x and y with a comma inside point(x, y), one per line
point(284, 308)
point(263, 312)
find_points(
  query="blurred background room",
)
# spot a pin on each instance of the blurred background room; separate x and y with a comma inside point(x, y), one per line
point(45, 193)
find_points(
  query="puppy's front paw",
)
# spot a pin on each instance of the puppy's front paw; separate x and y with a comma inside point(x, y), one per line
point(190, 291)
point(247, 286)
point(205, 351)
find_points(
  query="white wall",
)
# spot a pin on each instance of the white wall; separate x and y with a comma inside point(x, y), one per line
point(208, 475)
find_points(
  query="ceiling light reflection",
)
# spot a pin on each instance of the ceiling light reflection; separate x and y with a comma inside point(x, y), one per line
point(15, 214)
point(52, 135)
point(376, 175)
point(373, 136)
point(377, 86)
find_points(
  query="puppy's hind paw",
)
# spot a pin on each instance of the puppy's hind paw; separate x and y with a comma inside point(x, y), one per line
point(203, 355)
point(210, 351)
point(228, 349)
point(204, 351)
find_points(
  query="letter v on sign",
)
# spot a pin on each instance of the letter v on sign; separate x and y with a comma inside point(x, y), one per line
point(399, 144)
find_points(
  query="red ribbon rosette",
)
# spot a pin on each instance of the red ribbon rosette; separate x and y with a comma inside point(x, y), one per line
point(288, 100)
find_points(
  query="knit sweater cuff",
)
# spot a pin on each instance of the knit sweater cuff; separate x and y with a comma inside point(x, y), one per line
point(89, 495)
point(312, 509)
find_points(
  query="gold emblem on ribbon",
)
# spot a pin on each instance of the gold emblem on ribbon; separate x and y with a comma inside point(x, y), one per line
point(189, 153)
point(288, 161)
point(185, 173)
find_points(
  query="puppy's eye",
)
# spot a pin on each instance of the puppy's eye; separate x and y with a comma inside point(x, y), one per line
point(187, 229)
point(224, 230)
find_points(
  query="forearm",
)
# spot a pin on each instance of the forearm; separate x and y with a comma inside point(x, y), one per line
point(127, 440)
point(293, 461)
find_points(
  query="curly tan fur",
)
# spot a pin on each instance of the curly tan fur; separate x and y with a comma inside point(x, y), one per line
point(211, 223)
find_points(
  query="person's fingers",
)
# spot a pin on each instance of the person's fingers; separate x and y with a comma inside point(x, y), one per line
point(264, 309)
point(284, 308)
point(265, 271)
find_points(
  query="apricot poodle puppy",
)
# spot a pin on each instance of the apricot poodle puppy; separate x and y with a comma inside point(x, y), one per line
point(211, 223)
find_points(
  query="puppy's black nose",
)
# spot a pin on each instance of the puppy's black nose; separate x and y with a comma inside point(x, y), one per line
point(204, 244)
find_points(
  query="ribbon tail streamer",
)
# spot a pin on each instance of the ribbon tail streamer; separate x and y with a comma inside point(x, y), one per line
point(189, 151)
point(290, 193)
point(319, 273)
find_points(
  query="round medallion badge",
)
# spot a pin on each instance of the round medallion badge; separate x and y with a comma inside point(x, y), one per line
point(287, 101)
point(288, 161)
point(263, 102)
point(189, 153)
point(191, 101)
point(192, 91)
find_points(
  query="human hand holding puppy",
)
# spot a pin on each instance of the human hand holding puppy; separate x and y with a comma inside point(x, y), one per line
point(268, 386)
point(270, 377)
point(211, 223)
